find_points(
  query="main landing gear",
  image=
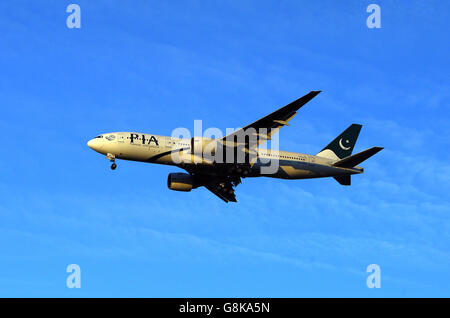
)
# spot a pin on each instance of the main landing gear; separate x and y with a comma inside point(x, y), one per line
point(112, 158)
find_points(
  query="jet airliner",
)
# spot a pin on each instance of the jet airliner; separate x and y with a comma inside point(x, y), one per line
point(208, 162)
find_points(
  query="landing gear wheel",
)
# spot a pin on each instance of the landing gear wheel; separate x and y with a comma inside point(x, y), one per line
point(113, 166)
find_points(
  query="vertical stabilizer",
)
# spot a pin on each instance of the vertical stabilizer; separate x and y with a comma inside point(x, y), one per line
point(342, 146)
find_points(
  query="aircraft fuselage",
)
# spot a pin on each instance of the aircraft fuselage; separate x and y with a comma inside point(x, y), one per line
point(159, 149)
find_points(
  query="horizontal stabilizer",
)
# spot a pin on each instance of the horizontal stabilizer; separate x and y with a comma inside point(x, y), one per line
point(351, 161)
point(344, 180)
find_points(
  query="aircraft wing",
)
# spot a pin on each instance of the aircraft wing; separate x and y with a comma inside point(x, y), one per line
point(224, 190)
point(272, 122)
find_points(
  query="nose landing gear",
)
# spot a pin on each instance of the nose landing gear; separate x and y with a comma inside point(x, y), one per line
point(112, 158)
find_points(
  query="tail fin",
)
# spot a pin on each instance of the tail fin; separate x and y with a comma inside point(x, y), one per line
point(351, 161)
point(342, 145)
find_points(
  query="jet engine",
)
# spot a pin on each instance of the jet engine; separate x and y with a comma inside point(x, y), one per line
point(180, 182)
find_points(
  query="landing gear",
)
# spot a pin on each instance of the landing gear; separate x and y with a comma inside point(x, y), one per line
point(111, 157)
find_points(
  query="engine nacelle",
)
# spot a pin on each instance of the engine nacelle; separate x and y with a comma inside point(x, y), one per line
point(180, 181)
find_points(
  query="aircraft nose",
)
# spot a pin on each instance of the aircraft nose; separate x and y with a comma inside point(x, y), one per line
point(94, 144)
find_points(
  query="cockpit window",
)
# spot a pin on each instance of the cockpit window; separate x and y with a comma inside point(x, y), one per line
point(99, 136)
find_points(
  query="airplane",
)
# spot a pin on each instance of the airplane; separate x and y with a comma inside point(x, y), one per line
point(220, 172)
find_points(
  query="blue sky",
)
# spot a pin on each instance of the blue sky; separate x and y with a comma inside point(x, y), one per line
point(152, 66)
